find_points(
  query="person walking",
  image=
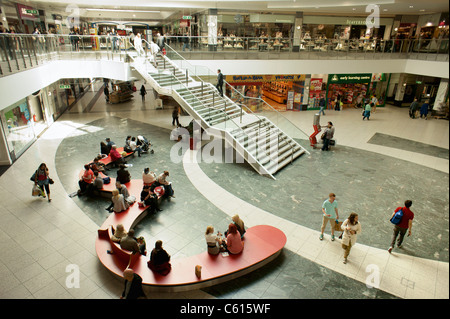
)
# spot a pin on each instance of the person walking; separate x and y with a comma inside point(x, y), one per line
point(132, 286)
point(138, 44)
point(330, 214)
point(404, 225)
point(322, 105)
point(106, 92)
point(143, 92)
point(424, 109)
point(413, 108)
point(374, 101)
point(42, 180)
point(219, 85)
point(175, 116)
point(328, 135)
point(351, 228)
point(367, 109)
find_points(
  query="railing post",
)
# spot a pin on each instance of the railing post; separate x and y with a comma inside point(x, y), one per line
point(187, 77)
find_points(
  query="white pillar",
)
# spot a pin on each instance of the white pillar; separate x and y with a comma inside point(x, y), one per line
point(441, 95)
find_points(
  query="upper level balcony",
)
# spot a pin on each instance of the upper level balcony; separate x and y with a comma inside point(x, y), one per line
point(20, 52)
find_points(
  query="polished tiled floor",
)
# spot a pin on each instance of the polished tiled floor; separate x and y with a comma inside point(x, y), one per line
point(39, 240)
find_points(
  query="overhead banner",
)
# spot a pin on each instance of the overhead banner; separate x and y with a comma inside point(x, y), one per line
point(349, 78)
point(264, 78)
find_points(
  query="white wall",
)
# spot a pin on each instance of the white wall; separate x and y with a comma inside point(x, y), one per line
point(19, 85)
point(247, 67)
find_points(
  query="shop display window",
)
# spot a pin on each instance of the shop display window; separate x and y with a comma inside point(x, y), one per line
point(18, 127)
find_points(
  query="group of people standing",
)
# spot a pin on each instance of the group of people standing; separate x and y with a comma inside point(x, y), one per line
point(351, 227)
point(415, 107)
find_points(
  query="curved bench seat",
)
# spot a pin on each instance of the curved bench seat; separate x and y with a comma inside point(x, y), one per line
point(262, 244)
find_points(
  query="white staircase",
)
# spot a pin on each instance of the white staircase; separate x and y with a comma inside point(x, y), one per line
point(261, 143)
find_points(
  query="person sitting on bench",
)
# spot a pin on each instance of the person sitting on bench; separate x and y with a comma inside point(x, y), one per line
point(233, 242)
point(98, 181)
point(159, 260)
point(134, 147)
point(119, 233)
point(86, 180)
point(162, 180)
point(150, 199)
point(148, 177)
point(118, 201)
point(116, 157)
point(129, 242)
point(98, 166)
point(123, 176)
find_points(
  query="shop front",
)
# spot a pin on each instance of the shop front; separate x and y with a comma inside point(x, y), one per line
point(282, 91)
point(354, 89)
point(18, 128)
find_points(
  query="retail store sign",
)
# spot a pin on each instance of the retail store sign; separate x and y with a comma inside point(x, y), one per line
point(264, 78)
point(64, 86)
point(187, 18)
point(350, 78)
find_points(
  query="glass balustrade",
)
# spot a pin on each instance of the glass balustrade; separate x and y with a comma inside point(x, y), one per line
point(22, 51)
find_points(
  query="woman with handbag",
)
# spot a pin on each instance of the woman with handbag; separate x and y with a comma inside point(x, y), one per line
point(351, 228)
point(42, 180)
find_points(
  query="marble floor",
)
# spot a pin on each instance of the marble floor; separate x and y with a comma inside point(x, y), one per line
point(39, 240)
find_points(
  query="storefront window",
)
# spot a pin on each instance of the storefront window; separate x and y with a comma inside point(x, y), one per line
point(18, 127)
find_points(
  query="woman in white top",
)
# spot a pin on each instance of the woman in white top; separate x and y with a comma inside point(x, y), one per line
point(148, 177)
point(162, 180)
point(120, 204)
point(213, 241)
point(351, 228)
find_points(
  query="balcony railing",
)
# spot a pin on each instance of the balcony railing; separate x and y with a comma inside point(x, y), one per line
point(314, 48)
point(19, 52)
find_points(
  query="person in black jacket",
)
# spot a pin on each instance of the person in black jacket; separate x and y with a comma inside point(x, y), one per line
point(132, 286)
point(159, 260)
point(123, 176)
point(219, 82)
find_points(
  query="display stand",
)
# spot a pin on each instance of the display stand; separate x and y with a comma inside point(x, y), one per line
point(121, 93)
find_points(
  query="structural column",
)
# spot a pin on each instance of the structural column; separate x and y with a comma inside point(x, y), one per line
point(212, 29)
point(296, 37)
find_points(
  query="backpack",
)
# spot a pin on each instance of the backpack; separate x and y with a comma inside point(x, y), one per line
point(397, 218)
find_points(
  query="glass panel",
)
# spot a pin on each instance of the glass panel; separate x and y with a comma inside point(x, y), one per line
point(18, 124)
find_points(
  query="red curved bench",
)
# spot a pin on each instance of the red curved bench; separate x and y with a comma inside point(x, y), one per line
point(107, 160)
point(262, 244)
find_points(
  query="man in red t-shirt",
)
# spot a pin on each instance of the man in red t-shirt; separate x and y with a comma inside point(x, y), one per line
point(404, 225)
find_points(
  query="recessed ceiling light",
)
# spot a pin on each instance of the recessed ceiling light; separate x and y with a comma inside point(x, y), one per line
point(385, 9)
point(354, 9)
point(411, 7)
point(422, 10)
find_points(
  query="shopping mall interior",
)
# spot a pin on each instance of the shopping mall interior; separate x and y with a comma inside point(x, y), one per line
point(254, 86)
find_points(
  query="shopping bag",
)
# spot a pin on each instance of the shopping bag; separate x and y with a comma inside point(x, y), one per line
point(36, 191)
point(337, 226)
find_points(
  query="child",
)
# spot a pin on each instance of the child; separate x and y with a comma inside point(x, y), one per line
point(142, 245)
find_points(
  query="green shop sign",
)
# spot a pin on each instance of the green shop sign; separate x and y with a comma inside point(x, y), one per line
point(64, 86)
point(349, 78)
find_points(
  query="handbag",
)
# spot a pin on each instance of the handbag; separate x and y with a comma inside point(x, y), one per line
point(323, 135)
point(33, 177)
point(51, 181)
